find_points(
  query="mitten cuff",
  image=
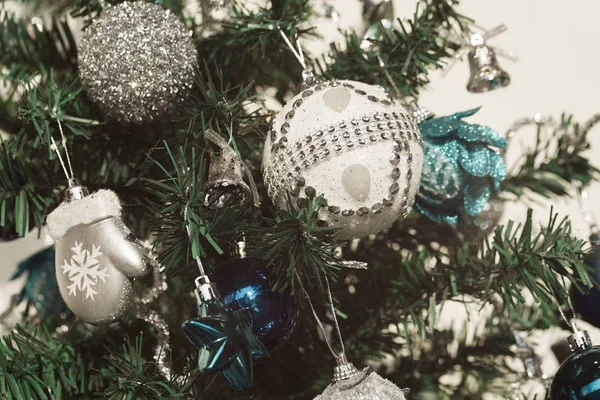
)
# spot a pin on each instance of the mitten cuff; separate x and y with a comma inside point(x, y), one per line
point(95, 207)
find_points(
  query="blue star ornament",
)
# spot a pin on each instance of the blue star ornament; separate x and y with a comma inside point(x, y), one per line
point(225, 342)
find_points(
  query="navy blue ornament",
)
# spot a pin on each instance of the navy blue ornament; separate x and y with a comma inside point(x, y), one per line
point(578, 377)
point(41, 289)
point(224, 338)
point(244, 283)
point(586, 305)
point(459, 169)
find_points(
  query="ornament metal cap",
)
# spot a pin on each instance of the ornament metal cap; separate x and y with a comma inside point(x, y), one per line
point(344, 369)
point(422, 114)
point(308, 80)
point(206, 290)
point(579, 340)
point(75, 191)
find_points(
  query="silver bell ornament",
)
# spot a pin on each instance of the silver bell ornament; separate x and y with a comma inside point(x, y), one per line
point(351, 384)
point(225, 177)
point(486, 74)
point(97, 256)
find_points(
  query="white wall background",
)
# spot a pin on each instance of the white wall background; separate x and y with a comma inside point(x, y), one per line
point(557, 72)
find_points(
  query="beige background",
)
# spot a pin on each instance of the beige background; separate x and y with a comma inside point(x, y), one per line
point(557, 72)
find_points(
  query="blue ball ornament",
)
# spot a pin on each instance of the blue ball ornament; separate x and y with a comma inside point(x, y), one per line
point(578, 377)
point(244, 284)
point(586, 305)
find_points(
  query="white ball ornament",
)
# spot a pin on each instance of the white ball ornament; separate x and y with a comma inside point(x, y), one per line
point(349, 142)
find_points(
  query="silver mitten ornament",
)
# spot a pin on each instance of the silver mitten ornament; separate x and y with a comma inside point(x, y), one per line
point(97, 256)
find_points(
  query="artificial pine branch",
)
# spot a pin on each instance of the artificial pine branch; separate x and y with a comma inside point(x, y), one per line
point(34, 365)
point(553, 163)
point(254, 42)
point(133, 377)
point(25, 49)
point(402, 287)
point(407, 53)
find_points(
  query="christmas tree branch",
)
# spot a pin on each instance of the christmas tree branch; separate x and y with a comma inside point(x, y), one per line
point(296, 247)
point(132, 376)
point(34, 365)
point(254, 42)
point(406, 53)
point(22, 203)
point(555, 160)
point(407, 290)
point(176, 200)
point(26, 48)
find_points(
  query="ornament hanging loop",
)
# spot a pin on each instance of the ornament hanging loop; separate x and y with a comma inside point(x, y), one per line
point(344, 369)
point(308, 77)
point(54, 147)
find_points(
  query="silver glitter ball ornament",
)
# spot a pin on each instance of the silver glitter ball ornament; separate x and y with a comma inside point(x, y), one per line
point(137, 61)
point(97, 257)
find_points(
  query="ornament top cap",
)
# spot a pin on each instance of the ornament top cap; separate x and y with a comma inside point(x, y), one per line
point(344, 369)
point(476, 39)
point(422, 114)
point(579, 340)
point(206, 290)
point(75, 191)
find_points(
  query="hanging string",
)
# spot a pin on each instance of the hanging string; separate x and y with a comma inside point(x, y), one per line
point(54, 147)
point(228, 151)
point(187, 228)
point(319, 322)
point(389, 76)
point(585, 204)
point(296, 51)
point(530, 360)
point(571, 323)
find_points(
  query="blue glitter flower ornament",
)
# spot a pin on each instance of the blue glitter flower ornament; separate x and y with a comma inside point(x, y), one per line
point(459, 169)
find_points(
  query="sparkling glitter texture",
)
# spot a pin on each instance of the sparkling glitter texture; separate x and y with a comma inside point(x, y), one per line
point(365, 386)
point(459, 169)
point(137, 61)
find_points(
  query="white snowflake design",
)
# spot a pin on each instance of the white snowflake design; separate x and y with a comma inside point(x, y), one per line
point(84, 271)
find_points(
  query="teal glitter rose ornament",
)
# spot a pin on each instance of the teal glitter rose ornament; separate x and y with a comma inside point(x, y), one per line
point(460, 169)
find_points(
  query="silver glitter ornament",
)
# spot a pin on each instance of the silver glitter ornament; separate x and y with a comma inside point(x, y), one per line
point(97, 256)
point(351, 384)
point(137, 61)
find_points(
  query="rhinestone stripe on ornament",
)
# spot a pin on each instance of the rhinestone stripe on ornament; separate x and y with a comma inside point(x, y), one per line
point(284, 172)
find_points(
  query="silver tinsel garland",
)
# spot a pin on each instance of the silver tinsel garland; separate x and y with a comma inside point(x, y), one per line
point(136, 61)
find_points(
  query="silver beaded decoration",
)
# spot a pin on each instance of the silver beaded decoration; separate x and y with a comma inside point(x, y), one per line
point(137, 61)
point(398, 128)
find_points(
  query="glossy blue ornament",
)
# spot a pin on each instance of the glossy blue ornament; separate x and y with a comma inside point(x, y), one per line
point(41, 289)
point(224, 338)
point(586, 305)
point(459, 169)
point(578, 377)
point(244, 283)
